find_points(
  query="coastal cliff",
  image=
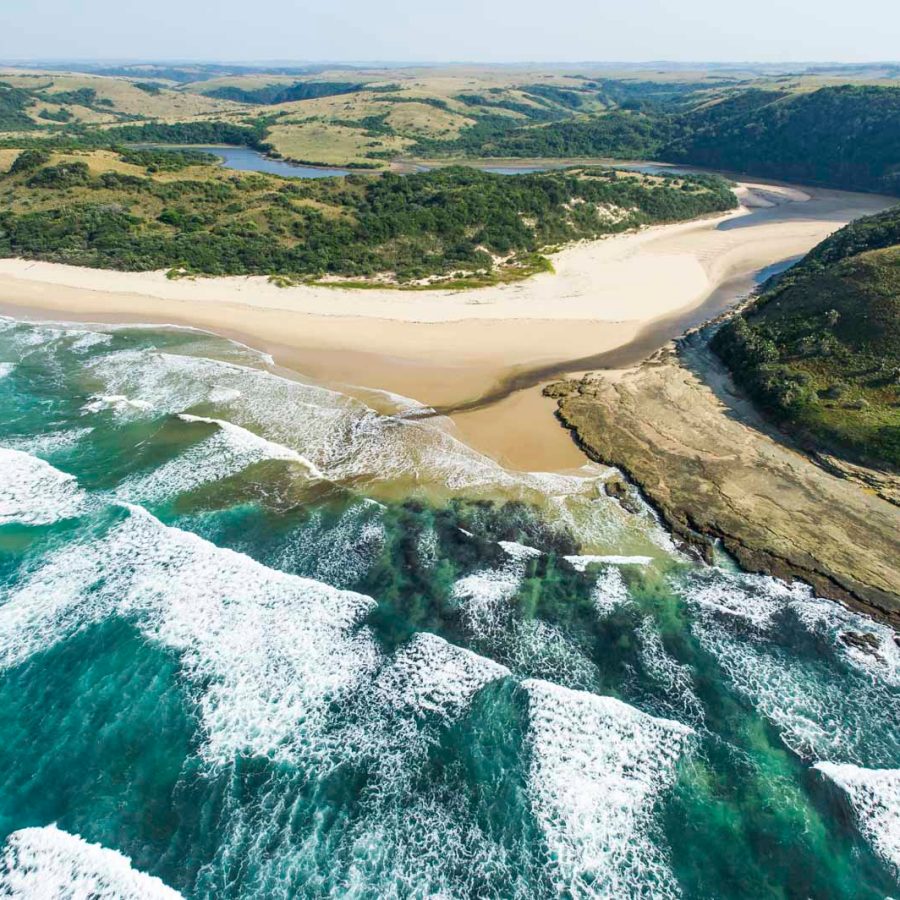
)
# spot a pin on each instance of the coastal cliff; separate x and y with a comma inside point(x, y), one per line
point(699, 452)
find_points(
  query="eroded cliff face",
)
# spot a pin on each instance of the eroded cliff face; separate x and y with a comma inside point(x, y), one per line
point(677, 426)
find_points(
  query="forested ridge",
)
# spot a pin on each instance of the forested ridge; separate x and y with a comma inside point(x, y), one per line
point(846, 136)
point(819, 349)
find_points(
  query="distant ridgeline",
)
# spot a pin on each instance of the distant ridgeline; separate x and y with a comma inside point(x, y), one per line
point(277, 93)
point(141, 210)
point(819, 350)
point(847, 136)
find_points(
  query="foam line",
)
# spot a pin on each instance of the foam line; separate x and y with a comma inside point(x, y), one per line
point(598, 768)
point(252, 443)
point(874, 795)
point(35, 493)
point(581, 563)
point(116, 402)
point(50, 864)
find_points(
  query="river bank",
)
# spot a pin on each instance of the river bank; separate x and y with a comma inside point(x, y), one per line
point(466, 351)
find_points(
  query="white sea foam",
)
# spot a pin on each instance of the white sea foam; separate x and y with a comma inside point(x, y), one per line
point(50, 442)
point(268, 651)
point(610, 592)
point(530, 647)
point(230, 449)
point(675, 678)
point(34, 492)
point(874, 795)
point(119, 403)
point(598, 768)
point(534, 648)
point(50, 864)
point(833, 623)
point(87, 340)
point(483, 597)
point(430, 675)
point(581, 563)
point(6, 368)
point(831, 701)
point(31, 338)
point(337, 552)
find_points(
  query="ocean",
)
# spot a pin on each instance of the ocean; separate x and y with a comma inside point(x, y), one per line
point(258, 640)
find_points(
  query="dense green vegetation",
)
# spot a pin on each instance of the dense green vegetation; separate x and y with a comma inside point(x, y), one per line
point(165, 160)
point(615, 134)
point(278, 93)
point(28, 161)
point(13, 103)
point(846, 136)
point(177, 133)
point(442, 222)
point(819, 350)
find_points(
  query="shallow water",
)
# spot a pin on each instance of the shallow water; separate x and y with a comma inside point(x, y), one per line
point(258, 640)
point(244, 159)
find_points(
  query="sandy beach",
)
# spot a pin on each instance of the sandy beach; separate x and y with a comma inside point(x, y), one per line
point(447, 347)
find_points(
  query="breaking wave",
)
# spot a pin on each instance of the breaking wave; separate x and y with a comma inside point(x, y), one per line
point(50, 864)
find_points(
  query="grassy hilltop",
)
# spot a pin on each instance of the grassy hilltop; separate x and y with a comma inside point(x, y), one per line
point(819, 350)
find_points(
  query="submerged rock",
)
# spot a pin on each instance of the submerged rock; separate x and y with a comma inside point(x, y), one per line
point(864, 641)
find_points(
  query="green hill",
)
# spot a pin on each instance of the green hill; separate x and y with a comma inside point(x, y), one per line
point(819, 350)
point(846, 136)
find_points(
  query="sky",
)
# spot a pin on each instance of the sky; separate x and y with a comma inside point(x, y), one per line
point(451, 30)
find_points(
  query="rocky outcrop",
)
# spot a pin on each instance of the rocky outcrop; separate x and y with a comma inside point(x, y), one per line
point(701, 455)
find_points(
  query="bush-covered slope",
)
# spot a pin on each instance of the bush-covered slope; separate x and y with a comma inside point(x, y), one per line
point(279, 93)
point(846, 136)
point(819, 351)
point(95, 209)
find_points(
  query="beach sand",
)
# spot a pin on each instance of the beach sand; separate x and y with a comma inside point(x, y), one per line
point(444, 348)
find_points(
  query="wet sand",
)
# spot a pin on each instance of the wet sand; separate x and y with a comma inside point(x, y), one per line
point(480, 355)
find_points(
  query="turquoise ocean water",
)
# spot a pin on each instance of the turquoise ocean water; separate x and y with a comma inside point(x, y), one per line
point(258, 640)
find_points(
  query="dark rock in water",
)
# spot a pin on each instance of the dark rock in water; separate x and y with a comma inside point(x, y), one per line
point(619, 489)
point(864, 641)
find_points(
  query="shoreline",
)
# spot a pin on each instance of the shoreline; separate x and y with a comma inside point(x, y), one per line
point(715, 470)
point(481, 355)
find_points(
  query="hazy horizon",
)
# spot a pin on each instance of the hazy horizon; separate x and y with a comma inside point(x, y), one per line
point(645, 31)
point(449, 63)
